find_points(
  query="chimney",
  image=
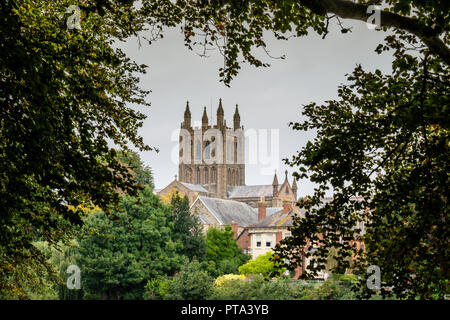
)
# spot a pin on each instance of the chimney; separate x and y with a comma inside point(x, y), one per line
point(234, 228)
point(286, 206)
point(261, 209)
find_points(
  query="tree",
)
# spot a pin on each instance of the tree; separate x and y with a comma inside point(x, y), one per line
point(187, 229)
point(192, 283)
point(257, 288)
point(393, 131)
point(223, 251)
point(237, 28)
point(338, 287)
point(61, 257)
point(64, 96)
point(143, 173)
point(120, 253)
point(262, 265)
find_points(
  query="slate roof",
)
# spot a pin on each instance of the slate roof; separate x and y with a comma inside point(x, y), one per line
point(264, 190)
point(194, 187)
point(279, 219)
point(227, 211)
point(203, 219)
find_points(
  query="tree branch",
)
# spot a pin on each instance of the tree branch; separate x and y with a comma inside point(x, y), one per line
point(350, 10)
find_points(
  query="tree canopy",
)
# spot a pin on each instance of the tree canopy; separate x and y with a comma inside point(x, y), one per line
point(223, 250)
point(120, 253)
point(64, 96)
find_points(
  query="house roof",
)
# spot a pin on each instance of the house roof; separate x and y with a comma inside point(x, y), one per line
point(278, 219)
point(265, 190)
point(203, 219)
point(227, 211)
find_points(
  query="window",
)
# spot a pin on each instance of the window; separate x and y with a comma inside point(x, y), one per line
point(206, 175)
point(198, 176)
point(269, 241)
point(207, 150)
point(258, 240)
point(230, 152)
point(198, 150)
point(213, 175)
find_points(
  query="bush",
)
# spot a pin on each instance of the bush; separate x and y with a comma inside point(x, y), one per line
point(191, 283)
point(220, 281)
point(157, 289)
point(262, 265)
point(256, 288)
point(337, 287)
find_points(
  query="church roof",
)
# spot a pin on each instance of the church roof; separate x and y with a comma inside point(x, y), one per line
point(194, 187)
point(227, 211)
point(265, 190)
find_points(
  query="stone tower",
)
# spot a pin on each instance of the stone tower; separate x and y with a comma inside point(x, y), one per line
point(212, 155)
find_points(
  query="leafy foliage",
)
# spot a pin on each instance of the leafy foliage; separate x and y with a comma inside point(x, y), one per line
point(263, 265)
point(143, 173)
point(337, 287)
point(223, 251)
point(121, 252)
point(220, 281)
point(187, 229)
point(393, 179)
point(63, 98)
point(191, 283)
point(256, 288)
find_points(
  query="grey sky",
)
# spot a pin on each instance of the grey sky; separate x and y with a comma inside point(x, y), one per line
point(268, 98)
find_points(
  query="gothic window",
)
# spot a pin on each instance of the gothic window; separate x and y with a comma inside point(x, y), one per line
point(198, 176)
point(206, 175)
point(207, 150)
point(198, 150)
point(230, 152)
point(213, 175)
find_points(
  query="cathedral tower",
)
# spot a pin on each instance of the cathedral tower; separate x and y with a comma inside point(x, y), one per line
point(212, 155)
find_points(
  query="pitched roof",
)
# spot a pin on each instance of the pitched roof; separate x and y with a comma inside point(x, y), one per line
point(227, 211)
point(278, 219)
point(203, 219)
point(194, 187)
point(265, 190)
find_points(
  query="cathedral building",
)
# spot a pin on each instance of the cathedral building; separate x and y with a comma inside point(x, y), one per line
point(212, 164)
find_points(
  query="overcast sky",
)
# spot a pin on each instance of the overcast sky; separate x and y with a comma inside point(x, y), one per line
point(268, 98)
